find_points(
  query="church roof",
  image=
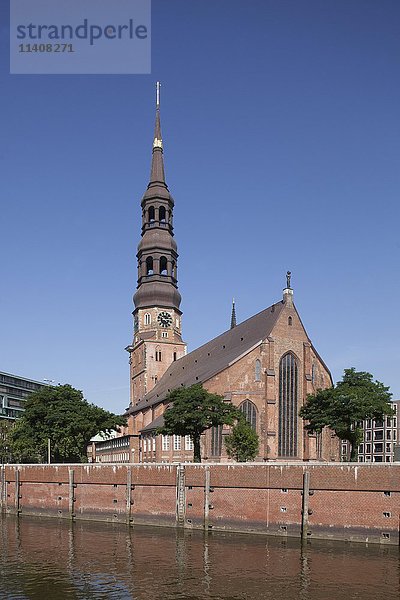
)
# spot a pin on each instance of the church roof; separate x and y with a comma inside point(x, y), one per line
point(213, 357)
point(158, 422)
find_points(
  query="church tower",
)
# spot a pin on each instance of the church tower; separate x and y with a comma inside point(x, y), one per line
point(157, 340)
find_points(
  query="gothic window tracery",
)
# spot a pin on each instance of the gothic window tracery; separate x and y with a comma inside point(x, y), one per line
point(250, 412)
point(216, 440)
point(288, 406)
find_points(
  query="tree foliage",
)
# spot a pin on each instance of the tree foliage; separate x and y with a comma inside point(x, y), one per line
point(193, 410)
point(62, 415)
point(5, 440)
point(242, 442)
point(355, 398)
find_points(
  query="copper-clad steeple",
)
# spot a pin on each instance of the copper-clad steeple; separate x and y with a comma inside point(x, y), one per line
point(233, 315)
point(157, 174)
point(157, 252)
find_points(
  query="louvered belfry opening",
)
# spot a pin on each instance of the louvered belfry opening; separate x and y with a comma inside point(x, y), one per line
point(288, 406)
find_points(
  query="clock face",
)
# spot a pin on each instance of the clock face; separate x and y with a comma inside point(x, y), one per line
point(164, 319)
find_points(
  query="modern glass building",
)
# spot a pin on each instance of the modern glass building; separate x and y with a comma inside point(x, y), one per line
point(380, 437)
point(14, 391)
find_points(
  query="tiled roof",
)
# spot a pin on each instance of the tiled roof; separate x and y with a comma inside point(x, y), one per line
point(158, 422)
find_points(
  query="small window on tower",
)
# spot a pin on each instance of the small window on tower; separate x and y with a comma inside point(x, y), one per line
point(174, 355)
point(149, 265)
point(152, 214)
point(163, 266)
point(147, 319)
point(290, 321)
point(158, 355)
point(161, 214)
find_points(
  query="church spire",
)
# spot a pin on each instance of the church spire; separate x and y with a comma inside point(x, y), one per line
point(233, 315)
point(157, 251)
point(157, 174)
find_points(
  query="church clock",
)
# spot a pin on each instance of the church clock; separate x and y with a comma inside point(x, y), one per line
point(165, 319)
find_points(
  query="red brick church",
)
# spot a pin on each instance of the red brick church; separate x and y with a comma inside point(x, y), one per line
point(266, 365)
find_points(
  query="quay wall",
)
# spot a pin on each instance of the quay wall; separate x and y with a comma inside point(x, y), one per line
point(342, 501)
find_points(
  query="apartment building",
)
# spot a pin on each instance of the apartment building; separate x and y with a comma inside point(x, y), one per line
point(380, 436)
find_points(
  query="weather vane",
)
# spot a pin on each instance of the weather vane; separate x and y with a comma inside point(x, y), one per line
point(288, 276)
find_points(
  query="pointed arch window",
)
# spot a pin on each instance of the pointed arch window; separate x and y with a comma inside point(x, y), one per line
point(147, 319)
point(313, 375)
point(152, 214)
point(250, 412)
point(288, 406)
point(290, 321)
point(162, 214)
point(163, 266)
point(149, 265)
point(216, 440)
point(257, 370)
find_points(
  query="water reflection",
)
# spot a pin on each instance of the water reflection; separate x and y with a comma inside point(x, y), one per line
point(46, 559)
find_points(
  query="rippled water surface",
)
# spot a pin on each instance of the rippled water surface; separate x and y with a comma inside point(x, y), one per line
point(46, 559)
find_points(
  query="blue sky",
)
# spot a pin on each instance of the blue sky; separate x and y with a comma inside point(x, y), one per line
point(281, 133)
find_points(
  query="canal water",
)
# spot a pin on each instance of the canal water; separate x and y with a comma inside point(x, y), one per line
point(47, 559)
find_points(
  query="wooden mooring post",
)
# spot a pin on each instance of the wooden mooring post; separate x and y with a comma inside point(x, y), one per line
point(305, 505)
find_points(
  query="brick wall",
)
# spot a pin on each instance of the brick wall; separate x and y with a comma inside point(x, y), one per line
point(337, 501)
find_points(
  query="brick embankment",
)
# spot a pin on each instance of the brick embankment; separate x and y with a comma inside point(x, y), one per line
point(332, 501)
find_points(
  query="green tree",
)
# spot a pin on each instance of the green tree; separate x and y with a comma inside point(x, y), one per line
point(5, 440)
point(242, 442)
point(342, 408)
point(62, 415)
point(192, 411)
